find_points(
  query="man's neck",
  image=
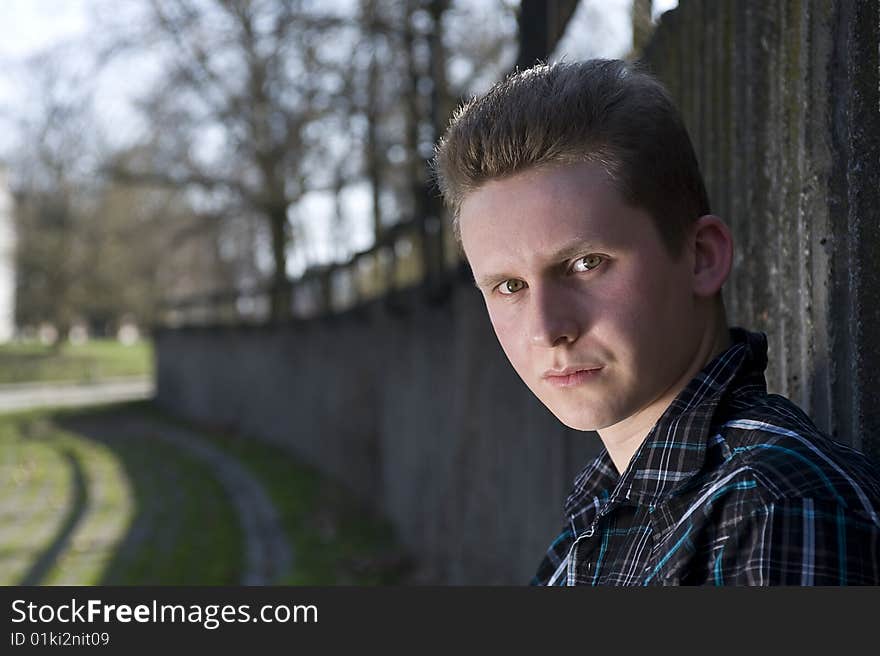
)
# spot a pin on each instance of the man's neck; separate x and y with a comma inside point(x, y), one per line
point(624, 438)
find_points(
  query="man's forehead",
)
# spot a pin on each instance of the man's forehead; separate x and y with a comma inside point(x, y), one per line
point(575, 190)
point(541, 217)
point(549, 230)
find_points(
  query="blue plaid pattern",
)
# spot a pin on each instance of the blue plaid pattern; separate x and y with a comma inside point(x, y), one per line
point(732, 486)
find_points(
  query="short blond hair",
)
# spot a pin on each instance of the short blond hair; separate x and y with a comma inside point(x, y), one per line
point(603, 111)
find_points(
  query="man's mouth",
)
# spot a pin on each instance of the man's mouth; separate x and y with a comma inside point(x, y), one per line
point(571, 376)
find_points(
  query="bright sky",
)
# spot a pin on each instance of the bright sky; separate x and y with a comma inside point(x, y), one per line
point(34, 24)
point(31, 25)
point(602, 28)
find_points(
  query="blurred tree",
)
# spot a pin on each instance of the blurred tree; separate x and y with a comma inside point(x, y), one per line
point(264, 102)
point(203, 244)
point(89, 249)
point(642, 26)
point(237, 112)
point(51, 196)
point(259, 104)
point(427, 56)
point(144, 246)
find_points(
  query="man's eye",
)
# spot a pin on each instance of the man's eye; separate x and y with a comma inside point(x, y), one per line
point(511, 286)
point(587, 262)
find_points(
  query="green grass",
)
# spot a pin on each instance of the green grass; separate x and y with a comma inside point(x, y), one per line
point(79, 510)
point(82, 502)
point(22, 362)
point(336, 539)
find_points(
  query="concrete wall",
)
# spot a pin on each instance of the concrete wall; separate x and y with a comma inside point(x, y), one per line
point(782, 100)
point(418, 410)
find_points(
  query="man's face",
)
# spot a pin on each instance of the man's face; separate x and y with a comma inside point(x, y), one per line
point(594, 314)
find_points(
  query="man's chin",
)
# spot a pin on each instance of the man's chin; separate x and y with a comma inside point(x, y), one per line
point(580, 412)
point(581, 421)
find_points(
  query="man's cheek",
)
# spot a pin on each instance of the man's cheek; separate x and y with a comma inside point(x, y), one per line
point(505, 329)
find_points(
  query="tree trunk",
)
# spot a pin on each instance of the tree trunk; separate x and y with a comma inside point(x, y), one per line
point(541, 25)
point(433, 233)
point(280, 304)
point(383, 276)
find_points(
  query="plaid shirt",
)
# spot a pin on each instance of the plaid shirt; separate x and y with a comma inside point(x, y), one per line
point(732, 486)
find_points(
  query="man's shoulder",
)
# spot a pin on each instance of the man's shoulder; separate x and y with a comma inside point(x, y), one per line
point(752, 417)
point(771, 442)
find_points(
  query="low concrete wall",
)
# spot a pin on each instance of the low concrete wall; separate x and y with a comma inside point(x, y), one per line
point(417, 411)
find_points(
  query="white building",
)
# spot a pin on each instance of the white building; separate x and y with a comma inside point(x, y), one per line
point(7, 259)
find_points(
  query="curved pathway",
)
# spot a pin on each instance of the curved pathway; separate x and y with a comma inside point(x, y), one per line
point(267, 552)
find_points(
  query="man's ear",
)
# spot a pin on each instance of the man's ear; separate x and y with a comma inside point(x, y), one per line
point(713, 254)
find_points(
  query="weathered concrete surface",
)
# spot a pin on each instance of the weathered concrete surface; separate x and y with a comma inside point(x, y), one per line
point(417, 411)
point(782, 100)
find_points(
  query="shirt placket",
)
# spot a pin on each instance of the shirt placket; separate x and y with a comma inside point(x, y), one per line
point(574, 553)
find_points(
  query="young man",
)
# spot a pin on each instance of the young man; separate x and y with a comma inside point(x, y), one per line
point(580, 207)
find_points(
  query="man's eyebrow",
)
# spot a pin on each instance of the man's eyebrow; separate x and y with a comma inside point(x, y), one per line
point(574, 247)
point(490, 280)
point(566, 252)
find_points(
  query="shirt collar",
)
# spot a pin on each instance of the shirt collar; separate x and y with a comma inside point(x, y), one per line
point(675, 448)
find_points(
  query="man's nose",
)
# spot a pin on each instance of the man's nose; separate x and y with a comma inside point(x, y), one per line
point(553, 317)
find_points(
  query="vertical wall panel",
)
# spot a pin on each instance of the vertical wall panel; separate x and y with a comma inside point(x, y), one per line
point(794, 87)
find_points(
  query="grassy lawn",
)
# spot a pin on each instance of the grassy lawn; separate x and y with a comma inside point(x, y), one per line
point(22, 362)
point(81, 510)
point(83, 502)
point(336, 539)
